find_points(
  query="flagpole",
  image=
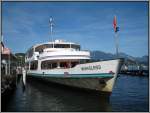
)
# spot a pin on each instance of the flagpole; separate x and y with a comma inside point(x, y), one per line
point(117, 45)
point(116, 29)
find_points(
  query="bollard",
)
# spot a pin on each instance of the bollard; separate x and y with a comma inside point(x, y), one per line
point(24, 76)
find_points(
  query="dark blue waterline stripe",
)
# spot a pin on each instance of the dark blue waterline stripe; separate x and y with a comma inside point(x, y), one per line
point(101, 75)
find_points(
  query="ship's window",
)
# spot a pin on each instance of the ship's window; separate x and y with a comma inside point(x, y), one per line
point(73, 64)
point(27, 65)
point(77, 47)
point(64, 64)
point(33, 65)
point(41, 47)
point(62, 46)
point(48, 65)
point(68, 64)
point(54, 65)
point(44, 65)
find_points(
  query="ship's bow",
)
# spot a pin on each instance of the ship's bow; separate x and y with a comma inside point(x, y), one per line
point(109, 83)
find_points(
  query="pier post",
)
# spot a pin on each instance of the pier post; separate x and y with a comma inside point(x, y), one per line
point(24, 76)
point(9, 64)
point(6, 69)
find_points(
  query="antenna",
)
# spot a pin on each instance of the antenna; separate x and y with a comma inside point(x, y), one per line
point(51, 27)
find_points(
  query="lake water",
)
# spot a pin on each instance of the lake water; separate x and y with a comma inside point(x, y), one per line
point(131, 93)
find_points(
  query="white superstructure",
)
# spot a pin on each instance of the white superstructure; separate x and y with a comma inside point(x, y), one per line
point(58, 50)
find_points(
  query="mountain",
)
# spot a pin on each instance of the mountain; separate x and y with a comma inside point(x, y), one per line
point(99, 55)
point(20, 54)
point(124, 55)
point(143, 59)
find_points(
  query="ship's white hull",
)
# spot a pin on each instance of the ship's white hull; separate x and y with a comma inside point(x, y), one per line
point(84, 83)
point(98, 76)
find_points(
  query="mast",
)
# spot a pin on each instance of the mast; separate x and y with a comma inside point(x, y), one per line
point(51, 29)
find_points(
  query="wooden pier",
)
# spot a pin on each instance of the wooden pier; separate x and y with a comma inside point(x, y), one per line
point(8, 83)
point(136, 72)
point(134, 68)
point(10, 69)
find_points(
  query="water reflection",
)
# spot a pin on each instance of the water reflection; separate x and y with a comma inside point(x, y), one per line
point(39, 96)
point(129, 94)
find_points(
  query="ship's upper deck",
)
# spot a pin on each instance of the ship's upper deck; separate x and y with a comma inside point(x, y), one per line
point(58, 47)
point(63, 42)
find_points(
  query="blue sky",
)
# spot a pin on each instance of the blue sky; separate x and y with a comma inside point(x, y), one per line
point(87, 23)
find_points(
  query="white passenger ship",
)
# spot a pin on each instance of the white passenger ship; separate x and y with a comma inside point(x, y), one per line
point(64, 63)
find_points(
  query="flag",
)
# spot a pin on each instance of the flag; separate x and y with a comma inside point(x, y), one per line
point(115, 25)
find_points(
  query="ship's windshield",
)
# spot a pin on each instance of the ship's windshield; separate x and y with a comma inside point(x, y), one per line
point(62, 46)
point(41, 47)
point(77, 47)
point(44, 46)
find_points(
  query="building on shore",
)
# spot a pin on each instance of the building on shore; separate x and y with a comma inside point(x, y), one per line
point(8, 61)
